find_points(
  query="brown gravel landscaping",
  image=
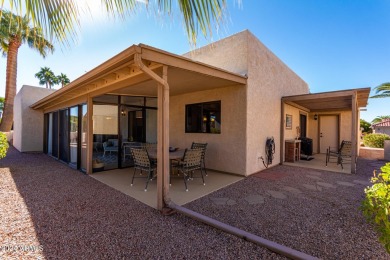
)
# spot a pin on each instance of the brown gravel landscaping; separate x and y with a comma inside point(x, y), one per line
point(49, 210)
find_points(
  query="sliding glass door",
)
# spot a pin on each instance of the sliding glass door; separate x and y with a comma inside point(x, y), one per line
point(74, 131)
point(64, 135)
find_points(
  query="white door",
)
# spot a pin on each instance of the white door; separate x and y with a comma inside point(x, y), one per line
point(329, 132)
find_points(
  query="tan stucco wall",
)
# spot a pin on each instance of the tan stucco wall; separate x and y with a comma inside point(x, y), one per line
point(230, 53)
point(387, 150)
point(295, 113)
point(345, 120)
point(371, 153)
point(28, 123)
point(225, 151)
point(269, 79)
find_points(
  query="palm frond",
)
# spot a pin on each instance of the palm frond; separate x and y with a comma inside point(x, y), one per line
point(60, 19)
point(382, 91)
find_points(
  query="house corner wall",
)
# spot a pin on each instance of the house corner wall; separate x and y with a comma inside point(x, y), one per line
point(225, 151)
point(269, 79)
point(28, 123)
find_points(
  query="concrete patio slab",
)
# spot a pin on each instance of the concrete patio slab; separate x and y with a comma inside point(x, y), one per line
point(120, 179)
point(319, 163)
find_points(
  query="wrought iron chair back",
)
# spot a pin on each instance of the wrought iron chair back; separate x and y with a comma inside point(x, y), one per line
point(342, 154)
point(192, 160)
point(142, 162)
point(202, 146)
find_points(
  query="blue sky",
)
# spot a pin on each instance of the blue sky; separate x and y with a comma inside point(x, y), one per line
point(330, 44)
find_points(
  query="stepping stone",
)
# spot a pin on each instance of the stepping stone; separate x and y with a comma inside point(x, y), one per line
point(314, 177)
point(312, 187)
point(362, 182)
point(325, 184)
point(254, 199)
point(344, 183)
point(223, 201)
point(292, 190)
point(277, 194)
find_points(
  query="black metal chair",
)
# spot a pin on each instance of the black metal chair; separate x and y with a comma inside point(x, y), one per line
point(143, 163)
point(341, 154)
point(202, 146)
point(192, 161)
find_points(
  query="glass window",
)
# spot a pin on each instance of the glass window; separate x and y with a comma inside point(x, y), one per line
point(106, 99)
point(133, 101)
point(203, 118)
point(151, 102)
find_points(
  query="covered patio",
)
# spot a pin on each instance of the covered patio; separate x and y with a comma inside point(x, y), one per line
point(138, 71)
point(344, 106)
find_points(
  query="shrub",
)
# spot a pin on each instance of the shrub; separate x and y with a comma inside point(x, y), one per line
point(376, 205)
point(375, 140)
point(3, 145)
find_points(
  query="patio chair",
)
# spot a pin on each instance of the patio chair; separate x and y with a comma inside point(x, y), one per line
point(143, 163)
point(109, 146)
point(191, 162)
point(202, 146)
point(341, 154)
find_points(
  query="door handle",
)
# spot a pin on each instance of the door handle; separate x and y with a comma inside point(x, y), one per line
point(320, 134)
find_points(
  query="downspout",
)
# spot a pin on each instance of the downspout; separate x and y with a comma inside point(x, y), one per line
point(275, 247)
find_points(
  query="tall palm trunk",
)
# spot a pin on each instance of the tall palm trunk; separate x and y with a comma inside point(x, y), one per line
point(10, 86)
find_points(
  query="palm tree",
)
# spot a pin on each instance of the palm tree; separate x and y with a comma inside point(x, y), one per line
point(61, 18)
point(379, 119)
point(14, 31)
point(63, 79)
point(382, 90)
point(46, 77)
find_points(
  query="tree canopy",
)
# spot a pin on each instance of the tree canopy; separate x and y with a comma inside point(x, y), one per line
point(61, 19)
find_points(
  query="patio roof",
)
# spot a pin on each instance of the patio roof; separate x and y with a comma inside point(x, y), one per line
point(329, 101)
point(122, 75)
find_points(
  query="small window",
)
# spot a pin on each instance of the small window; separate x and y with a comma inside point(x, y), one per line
point(204, 118)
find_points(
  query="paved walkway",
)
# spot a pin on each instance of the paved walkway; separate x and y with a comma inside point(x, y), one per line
point(318, 184)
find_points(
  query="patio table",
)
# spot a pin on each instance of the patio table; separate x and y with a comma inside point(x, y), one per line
point(172, 155)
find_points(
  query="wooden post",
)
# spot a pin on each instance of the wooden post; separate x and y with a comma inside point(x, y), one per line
point(354, 133)
point(282, 133)
point(89, 134)
point(163, 166)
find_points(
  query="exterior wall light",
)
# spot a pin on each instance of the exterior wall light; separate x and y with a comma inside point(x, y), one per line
point(315, 116)
point(123, 112)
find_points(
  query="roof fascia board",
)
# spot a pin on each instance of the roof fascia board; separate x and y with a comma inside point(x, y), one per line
point(360, 91)
point(162, 57)
point(319, 95)
point(91, 75)
point(297, 106)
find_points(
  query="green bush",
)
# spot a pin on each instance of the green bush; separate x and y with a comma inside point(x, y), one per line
point(375, 140)
point(376, 205)
point(3, 145)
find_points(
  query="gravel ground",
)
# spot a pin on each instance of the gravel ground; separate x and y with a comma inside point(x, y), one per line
point(48, 210)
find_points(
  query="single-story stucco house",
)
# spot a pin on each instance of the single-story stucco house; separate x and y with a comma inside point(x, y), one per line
point(232, 95)
point(382, 127)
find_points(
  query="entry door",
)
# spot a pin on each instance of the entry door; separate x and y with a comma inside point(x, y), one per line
point(302, 125)
point(329, 132)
